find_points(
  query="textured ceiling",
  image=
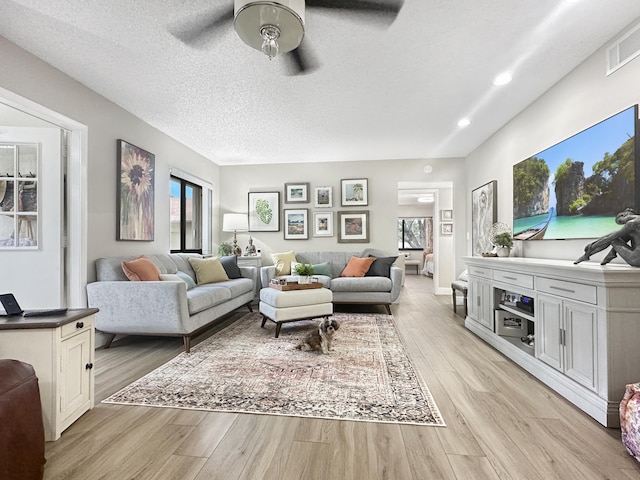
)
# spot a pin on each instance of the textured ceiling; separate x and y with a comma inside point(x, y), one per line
point(380, 93)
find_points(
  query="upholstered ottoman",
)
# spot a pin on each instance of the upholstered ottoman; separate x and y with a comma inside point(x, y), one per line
point(630, 419)
point(292, 305)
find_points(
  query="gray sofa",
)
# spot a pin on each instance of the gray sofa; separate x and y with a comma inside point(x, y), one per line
point(164, 308)
point(348, 290)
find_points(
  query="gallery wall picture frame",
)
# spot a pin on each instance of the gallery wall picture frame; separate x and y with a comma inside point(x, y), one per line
point(264, 211)
point(296, 224)
point(323, 197)
point(353, 227)
point(484, 213)
point(323, 224)
point(296, 193)
point(446, 228)
point(136, 192)
point(355, 192)
point(446, 215)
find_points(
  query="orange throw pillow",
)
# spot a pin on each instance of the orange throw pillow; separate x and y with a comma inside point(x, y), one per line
point(357, 267)
point(141, 269)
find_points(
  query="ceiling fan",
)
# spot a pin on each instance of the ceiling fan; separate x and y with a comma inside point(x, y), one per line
point(276, 27)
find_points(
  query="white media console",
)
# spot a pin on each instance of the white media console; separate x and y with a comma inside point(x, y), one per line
point(584, 321)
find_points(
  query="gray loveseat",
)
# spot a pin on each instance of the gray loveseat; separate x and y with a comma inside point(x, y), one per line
point(374, 290)
point(164, 308)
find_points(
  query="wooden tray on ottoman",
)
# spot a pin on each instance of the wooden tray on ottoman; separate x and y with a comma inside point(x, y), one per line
point(295, 286)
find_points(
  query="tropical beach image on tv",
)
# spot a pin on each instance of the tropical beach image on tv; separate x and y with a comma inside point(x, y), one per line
point(574, 189)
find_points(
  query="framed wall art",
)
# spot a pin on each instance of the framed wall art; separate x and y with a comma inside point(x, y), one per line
point(353, 227)
point(136, 191)
point(296, 226)
point(323, 224)
point(484, 212)
point(446, 228)
point(446, 215)
point(264, 211)
point(323, 197)
point(355, 192)
point(296, 193)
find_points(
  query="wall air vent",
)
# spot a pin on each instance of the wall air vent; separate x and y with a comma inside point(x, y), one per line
point(623, 50)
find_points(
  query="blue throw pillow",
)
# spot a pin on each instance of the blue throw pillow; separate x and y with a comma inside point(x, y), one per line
point(186, 278)
point(230, 265)
point(322, 269)
point(381, 267)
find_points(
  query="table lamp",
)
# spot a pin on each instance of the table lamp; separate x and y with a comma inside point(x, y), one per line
point(235, 222)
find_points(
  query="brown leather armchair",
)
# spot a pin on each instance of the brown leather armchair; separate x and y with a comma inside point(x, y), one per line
point(22, 430)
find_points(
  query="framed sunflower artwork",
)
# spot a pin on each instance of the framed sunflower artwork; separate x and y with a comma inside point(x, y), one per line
point(136, 191)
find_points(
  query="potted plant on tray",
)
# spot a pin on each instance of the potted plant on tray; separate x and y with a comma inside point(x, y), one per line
point(304, 271)
point(503, 243)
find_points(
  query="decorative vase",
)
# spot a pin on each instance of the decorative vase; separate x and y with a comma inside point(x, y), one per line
point(503, 251)
point(304, 279)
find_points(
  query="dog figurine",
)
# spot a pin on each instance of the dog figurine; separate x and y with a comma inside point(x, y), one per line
point(320, 338)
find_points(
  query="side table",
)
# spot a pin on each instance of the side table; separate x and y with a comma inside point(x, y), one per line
point(250, 261)
point(61, 350)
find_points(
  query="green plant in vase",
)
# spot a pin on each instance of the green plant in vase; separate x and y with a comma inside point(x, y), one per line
point(504, 242)
point(225, 249)
point(304, 271)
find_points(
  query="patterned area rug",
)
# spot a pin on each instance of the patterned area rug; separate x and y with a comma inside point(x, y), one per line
point(243, 368)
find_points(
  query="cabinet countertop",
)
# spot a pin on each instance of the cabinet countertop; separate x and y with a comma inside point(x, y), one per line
point(18, 322)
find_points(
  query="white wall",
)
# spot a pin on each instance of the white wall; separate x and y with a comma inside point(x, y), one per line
point(383, 177)
point(29, 77)
point(584, 97)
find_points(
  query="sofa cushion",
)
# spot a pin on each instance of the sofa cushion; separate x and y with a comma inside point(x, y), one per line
point(230, 265)
point(206, 296)
point(361, 284)
point(322, 269)
point(141, 269)
point(208, 270)
point(381, 267)
point(357, 267)
point(178, 277)
point(282, 262)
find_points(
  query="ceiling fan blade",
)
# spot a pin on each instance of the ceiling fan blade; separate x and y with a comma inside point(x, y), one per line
point(391, 7)
point(300, 61)
point(198, 31)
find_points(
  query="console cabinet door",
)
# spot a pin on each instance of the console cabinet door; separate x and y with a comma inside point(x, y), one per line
point(581, 343)
point(567, 338)
point(549, 331)
point(480, 308)
point(75, 377)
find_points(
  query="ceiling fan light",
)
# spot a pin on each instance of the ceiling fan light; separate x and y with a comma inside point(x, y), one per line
point(253, 17)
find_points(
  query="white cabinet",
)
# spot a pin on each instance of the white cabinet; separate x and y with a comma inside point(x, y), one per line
point(250, 261)
point(567, 338)
point(61, 350)
point(586, 325)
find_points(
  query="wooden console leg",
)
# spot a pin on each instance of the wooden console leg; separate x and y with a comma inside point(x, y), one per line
point(110, 337)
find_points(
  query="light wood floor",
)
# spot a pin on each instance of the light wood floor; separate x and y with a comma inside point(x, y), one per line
point(501, 423)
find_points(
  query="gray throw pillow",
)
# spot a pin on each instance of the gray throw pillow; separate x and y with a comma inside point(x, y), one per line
point(381, 267)
point(230, 265)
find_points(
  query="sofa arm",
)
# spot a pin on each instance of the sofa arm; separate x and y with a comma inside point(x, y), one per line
point(397, 275)
point(254, 274)
point(139, 307)
point(267, 274)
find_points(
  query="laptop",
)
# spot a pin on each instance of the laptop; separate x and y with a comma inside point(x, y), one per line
point(12, 308)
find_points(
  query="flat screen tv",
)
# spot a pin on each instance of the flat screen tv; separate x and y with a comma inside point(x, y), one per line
point(575, 188)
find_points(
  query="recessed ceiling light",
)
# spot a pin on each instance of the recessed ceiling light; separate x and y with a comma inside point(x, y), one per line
point(464, 122)
point(503, 78)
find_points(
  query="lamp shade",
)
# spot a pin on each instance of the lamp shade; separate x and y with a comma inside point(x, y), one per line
point(235, 222)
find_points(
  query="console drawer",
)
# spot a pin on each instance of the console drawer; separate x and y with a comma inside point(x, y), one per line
point(572, 290)
point(514, 278)
point(480, 272)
